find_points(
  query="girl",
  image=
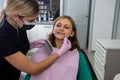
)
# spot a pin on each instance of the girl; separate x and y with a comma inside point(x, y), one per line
point(66, 67)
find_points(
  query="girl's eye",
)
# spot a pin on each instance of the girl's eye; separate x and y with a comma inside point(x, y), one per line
point(58, 25)
point(66, 27)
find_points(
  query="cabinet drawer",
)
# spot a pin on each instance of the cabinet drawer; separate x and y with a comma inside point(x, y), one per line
point(100, 55)
point(97, 59)
point(99, 66)
point(103, 53)
point(101, 48)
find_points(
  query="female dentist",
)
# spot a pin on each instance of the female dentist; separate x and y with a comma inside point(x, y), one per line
point(14, 43)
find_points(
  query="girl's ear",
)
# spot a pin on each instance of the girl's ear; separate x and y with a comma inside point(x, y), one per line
point(72, 34)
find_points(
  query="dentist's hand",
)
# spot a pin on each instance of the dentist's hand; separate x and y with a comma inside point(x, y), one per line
point(65, 47)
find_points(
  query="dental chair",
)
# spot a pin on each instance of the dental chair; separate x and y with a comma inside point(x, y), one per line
point(86, 71)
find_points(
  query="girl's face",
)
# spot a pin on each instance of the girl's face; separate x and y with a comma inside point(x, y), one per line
point(63, 28)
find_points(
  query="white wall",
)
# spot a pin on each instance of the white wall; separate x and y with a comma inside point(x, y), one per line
point(102, 21)
point(79, 15)
point(1, 4)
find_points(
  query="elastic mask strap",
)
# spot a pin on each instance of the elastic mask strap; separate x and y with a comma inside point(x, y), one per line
point(20, 17)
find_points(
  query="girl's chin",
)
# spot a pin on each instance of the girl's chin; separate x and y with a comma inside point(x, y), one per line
point(60, 38)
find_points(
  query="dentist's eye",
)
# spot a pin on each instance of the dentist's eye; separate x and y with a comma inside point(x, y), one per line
point(33, 20)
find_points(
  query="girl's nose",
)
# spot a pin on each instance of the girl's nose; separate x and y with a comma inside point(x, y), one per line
point(61, 28)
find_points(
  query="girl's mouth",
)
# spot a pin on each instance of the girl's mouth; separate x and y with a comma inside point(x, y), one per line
point(63, 34)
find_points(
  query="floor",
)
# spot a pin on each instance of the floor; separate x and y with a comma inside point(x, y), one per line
point(91, 56)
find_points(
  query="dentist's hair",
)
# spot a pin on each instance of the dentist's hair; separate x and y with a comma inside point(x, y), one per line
point(1, 17)
point(22, 7)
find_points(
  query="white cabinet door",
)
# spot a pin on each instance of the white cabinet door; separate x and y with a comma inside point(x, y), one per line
point(32, 34)
point(39, 31)
point(44, 30)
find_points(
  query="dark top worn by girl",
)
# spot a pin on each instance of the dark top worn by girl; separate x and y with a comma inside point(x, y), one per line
point(11, 41)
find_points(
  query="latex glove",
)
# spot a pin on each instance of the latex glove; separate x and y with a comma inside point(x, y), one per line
point(65, 47)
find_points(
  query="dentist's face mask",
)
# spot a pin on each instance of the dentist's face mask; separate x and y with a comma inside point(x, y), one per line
point(27, 25)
